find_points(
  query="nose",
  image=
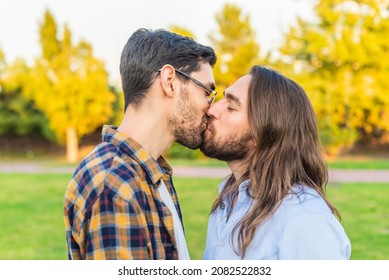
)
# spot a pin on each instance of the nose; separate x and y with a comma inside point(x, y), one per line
point(213, 110)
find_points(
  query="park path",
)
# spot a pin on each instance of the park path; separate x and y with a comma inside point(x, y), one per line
point(335, 176)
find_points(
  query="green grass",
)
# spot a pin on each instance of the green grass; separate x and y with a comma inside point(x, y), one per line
point(31, 216)
point(31, 224)
point(359, 164)
point(365, 216)
point(196, 197)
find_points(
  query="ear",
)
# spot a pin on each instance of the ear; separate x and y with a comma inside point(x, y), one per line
point(168, 78)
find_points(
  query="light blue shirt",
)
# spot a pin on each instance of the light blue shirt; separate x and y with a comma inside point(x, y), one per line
point(302, 228)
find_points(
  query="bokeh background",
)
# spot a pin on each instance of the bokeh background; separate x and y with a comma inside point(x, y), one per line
point(59, 83)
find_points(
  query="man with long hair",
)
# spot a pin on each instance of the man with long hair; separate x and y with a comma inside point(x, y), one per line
point(273, 205)
point(121, 202)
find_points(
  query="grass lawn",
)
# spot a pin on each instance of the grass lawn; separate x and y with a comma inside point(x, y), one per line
point(31, 224)
point(365, 216)
point(31, 218)
point(355, 164)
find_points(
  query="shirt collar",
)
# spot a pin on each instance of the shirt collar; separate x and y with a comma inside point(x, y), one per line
point(155, 169)
point(244, 199)
point(241, 187)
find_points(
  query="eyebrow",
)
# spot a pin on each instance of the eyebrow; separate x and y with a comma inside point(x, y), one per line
point(211, 85)
point(232, 98)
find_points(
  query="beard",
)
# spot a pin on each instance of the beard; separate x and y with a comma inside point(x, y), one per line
point(185, 124)
point(235, 147)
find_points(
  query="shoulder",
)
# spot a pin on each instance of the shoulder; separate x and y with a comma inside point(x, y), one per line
point(303, 199)
point(105, 169)
point(302, 208)
point(312, 235)
point(307, 222)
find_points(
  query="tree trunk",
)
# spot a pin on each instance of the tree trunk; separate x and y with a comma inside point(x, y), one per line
point(348, 91)
point(71, 145)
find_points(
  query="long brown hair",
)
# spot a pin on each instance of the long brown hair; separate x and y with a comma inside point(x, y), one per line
point(287, 151)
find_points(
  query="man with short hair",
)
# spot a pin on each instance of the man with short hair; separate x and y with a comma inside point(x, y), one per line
point(121, 202)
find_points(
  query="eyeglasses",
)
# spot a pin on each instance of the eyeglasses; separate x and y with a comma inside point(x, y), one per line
point(210, 92)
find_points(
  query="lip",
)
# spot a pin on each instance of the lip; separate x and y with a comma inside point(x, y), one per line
point(209, 127)
point(204, 127)
point(204, 124)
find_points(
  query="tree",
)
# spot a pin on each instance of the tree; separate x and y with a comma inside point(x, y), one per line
point(18, 115)
point(235, 45)
point(342, 61)
point(69, 85)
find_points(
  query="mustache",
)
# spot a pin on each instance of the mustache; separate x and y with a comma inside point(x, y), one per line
point(208, 119)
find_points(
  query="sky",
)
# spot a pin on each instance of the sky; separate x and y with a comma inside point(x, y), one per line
point(107, 24)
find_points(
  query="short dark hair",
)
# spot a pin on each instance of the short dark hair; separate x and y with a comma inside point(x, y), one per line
point(147, 51)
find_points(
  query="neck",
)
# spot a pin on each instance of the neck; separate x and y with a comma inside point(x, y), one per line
point(238, 168)
point(148, 127)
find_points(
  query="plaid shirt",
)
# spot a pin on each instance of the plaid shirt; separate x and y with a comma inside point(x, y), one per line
point(113, 209)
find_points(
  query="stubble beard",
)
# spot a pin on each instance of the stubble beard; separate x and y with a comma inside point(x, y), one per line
point(234, 148)
point(185, 125)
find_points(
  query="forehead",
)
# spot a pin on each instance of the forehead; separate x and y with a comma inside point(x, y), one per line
point(240, 89)
point(205, 74)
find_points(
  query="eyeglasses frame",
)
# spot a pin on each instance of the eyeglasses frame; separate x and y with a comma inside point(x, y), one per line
point(211, 93)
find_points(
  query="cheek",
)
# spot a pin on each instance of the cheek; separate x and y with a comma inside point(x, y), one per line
point(235, 125)
point(197, 109)
point(243, 122)
point(200, 103)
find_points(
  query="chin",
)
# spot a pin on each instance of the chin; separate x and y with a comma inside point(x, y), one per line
point(194, 142)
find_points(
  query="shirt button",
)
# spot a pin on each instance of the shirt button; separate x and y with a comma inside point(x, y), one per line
point(218, 243)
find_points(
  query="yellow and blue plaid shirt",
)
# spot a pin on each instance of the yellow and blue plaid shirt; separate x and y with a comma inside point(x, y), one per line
point(113, 209)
